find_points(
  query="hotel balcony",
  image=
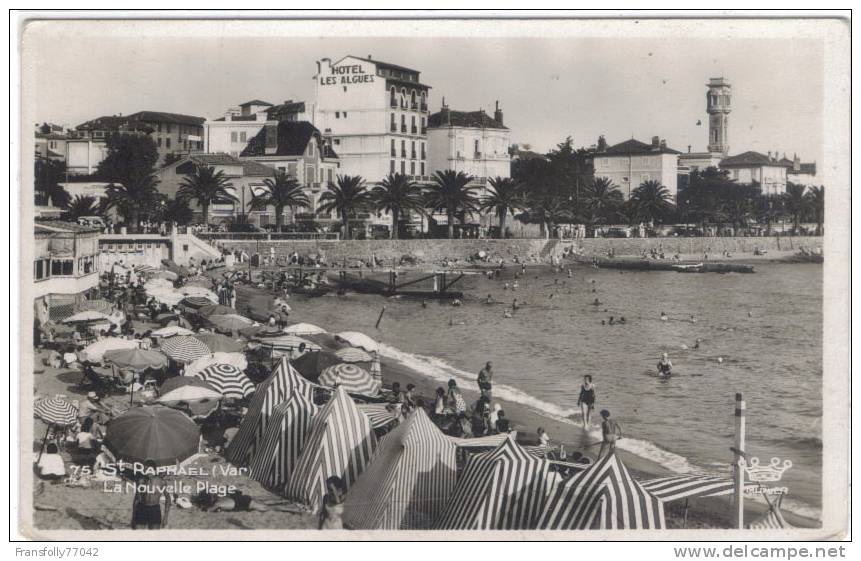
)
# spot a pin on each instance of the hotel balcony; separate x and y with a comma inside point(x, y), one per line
point(415, 130)
point(414, 106)
point(403, 128)
point(393, 103)
point(413, 156)
point(394, 127)
point(476, 156)
point(394, 153)
point(424, 106)
point(424, 130)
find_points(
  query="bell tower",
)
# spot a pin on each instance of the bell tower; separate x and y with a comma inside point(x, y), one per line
point(718, 106)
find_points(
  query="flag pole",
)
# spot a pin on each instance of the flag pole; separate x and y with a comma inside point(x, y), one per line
point(738, 452)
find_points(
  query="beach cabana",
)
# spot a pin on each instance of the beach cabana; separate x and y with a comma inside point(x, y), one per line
point(688, 487)
point(380, 414)
point(409, 481)
point(227, 380)
point(277, 388)
point(503, 489)
point(351, 378)
point(604, 497)
point(340, 443)
point(283, 442)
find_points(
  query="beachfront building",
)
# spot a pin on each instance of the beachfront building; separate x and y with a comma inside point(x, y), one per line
point(767, 171)
point(375, 114)
point(231, 133)
point(802, 173)
point(65, 267)
point(51, 145)
point(631, 163)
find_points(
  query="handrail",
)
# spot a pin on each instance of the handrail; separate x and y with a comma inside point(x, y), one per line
point(268, 236)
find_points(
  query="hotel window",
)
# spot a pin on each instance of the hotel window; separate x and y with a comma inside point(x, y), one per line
point(159, 143)
point(292, 169)
point(403, 167)
point(311, 148)
point(403, 148)
point(309, 174)
point(329, 175)
point(394, 123)
point(413, 150)
point(403, 123)
point(167, 142)
point(393, 97)
point(412, 168)
point(337, 114)
point(394, 149)
point(644, 177)
point(242, 136)
point(423, 168)
point(62, 267)
point(413, 124)
point(345, 114)
point(391, 166)
point(424, 154)
point(41, 269)
point(234, 136)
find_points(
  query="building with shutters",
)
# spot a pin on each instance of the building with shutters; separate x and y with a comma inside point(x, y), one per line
point(631, 163)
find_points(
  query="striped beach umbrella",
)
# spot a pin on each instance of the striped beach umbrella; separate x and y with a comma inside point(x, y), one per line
point(351, 378)
point(195, 302)
point(283, 442)
point(56, 411)
point(380, 414)
point(605, 497)
point(340, 443)
point(353, 354)
point(288, 345)
point(152, 432)
point(688, 487)
point(180, 382)
point(227, 380)
point(199, 401)
point(303, 329)
point(218, 343)
point(409, 481)
point(233, 359)
point(171, 331)
point(280, 384)
point(184, 348)
point(503, 489)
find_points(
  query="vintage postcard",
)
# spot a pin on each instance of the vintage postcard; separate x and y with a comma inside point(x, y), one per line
point(573, 278)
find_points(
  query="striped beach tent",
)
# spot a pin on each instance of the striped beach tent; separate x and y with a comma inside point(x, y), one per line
point(771, 520)
point(409, 481)
point(503, 489)
point(227, 380)
point(688, 486)
point(380, 414)
point(340, 443)
point(273, 390)
point(184, 348)
point(604, 497)
point(283, 442)
point(350, 377)
point(491, 441)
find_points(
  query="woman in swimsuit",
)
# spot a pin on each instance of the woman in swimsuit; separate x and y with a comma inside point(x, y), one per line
point(586, 401)
point(665, 366)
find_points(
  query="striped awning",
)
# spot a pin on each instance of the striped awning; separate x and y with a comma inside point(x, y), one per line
point(341, 443)
point(227, 380)
point(350, 377)
point(409, 481)
point(605, 497)
point(184, 348)
point(283, 441)
point(56, 411)
point(688, 486)
point(503, 489)
point(276, 389)
point(380, 414)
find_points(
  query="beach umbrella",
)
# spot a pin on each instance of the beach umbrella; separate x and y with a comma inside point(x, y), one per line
point(199, 400)
point(56, 411)
point(88, 316)
point(283, 441)
point(184, 348)
point(409, 481)
point(198, 280)
point(229, 322)
point(356, 339)
point(227, 380)
point(218, 343)
point(181, 381)
point(158, 283)
point(340, 443)
point(503, 489)
point(261, 331)
point(95, 351)
point(166, 296)
point(171, 331)
point(170, 265)
point(211, 309)
point(152, 432)
point(198, 291)
point(195, 302)
point(350, 377)
point(237, 360)
point(310, 364)
point(303, 329)
point(136, 360)
point(165, 275)
point(353, 354)
point(287, 344)
point(102, 306)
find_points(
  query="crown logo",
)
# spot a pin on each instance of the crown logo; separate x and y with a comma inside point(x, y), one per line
point(764, 473)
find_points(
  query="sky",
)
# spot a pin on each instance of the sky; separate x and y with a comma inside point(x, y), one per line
point(548, 88)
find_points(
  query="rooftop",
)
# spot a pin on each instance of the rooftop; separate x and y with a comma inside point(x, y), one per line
point(472, 119)
point(384, 64)
point(634, 147)
point(249, 167)
point(136, 120)
point(255, 102)
point(751, 158)
point(292, 140)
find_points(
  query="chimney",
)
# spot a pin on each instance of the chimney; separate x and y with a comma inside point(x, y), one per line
point(271, 146)
point(445, 114)
point(602, 144)
point(796, 162)
point(656, 141)
point(497, 114)
point(769, 154)
point(689, 148)
point(663, 143)
point(370, 57)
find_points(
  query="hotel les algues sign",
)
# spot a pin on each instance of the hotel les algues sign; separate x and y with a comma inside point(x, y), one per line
point(344, 75)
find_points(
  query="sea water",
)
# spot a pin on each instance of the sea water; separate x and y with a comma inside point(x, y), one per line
point(761, 335)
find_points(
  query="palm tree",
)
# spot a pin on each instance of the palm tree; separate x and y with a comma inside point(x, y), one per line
point(205, 186)
point(603, 200)
point(281, 191)
point(131, 199)
point(347, 196)
point(795, 203)
point(816, 205)
point(398, 195)
point(505, 197)
point(651, 201)
point(82, 205)
point(450, 191)
point(177, 210)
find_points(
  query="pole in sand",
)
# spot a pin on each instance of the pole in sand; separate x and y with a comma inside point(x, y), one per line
point(380, 318)
point(738, 451)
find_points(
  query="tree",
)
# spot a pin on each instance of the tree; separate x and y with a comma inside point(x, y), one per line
point(177, 210)
point(130, 159)
point(85, 205)
point(47, 188)
point(450, 192)
point(816, 206)
point(205, 186)
point(651, 201)
point(505, 197)
point(171, 158)
point(132, 199)
point(281, 191)
point(602, 201)
point(346, 196)
point(795, 203)
point(738, 204)
point(398, 195)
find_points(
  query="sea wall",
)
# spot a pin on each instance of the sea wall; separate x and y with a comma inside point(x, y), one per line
point(434, 250)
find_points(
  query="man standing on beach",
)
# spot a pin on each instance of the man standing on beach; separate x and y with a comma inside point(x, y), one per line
point(485, 380)
point(146, 509)
point(610, 433)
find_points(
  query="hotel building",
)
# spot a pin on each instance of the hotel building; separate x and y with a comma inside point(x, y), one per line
point(631, 163)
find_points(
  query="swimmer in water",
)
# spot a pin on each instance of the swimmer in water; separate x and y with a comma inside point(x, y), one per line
point(665, 366)
point(505, 286)
point(622, 320)
point(693, 319)
point(489, 299)
point(514, 305)
point(612, 321)
point(507, 314)
point(664, 316)
point(696, 345)
point(596, 302)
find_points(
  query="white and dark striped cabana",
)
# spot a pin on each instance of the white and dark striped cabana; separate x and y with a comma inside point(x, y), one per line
point(227, 380)
point(380, 414)
point(283, 442)
point(409, 481)
point(604, 497)
point(503, 489)
point(688, 487)
point(340, 443)
point(276, 389)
